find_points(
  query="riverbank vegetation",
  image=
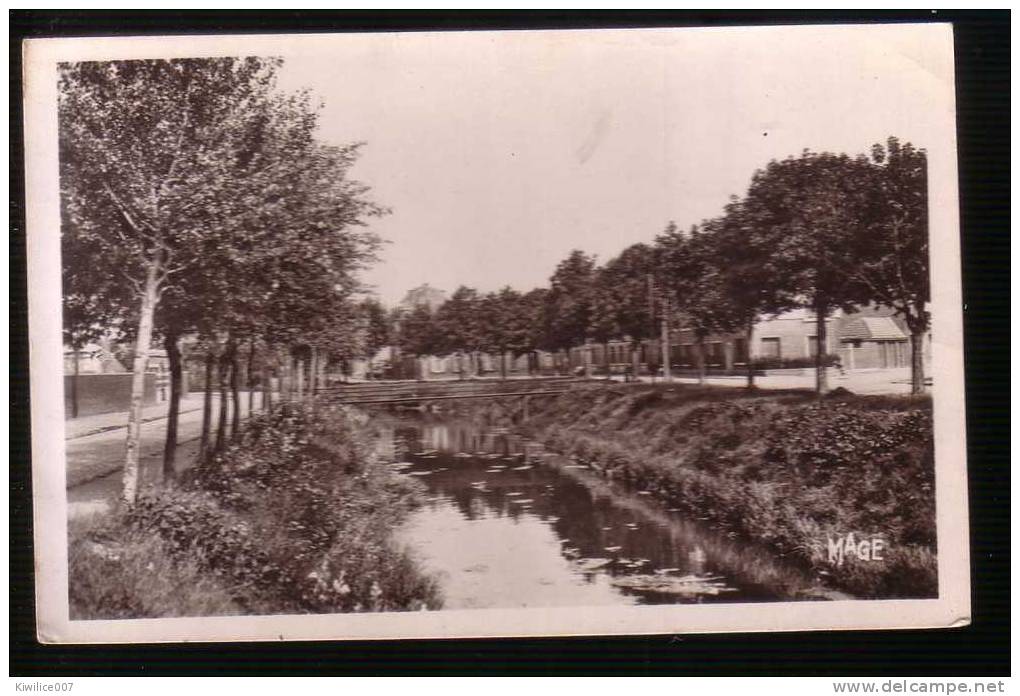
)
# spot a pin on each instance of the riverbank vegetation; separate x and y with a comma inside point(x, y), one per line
point(295, 516)
point(786, 470)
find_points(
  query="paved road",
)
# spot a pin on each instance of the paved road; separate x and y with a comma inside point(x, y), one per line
point(94, 461)
point(891, 381)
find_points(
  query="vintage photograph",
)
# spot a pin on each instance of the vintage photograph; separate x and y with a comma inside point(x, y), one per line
point(496, 333)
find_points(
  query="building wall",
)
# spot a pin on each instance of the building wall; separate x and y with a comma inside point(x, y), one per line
point(795, 333)
point(105, 393)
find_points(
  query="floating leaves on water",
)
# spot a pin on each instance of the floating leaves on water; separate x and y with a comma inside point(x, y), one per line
point(463, 455)
point(575, 466)
point(494, 471)
point(666, 571)
point(644, 492)
point(688, 585)
point(607, 529)
point(522, 468)
point(613, 549)
point(631, 525)
point(593, 563)
point(419, 473)
point(522, 501)
point(513, 493)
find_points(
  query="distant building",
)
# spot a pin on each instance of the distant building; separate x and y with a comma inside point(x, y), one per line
point(93, 359)
point(423, 295)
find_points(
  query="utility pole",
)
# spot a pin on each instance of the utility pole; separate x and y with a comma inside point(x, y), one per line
point(666, 376)
point(651, 316)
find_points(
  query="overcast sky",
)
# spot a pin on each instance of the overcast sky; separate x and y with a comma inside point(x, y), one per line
point(500, 152)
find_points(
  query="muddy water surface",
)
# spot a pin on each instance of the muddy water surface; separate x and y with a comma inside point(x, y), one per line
point(507, 524)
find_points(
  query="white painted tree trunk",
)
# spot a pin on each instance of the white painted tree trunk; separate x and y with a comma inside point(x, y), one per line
point(142, 345)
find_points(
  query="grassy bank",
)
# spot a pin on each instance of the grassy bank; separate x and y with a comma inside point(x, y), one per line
point(296, 516)
point(783, 469)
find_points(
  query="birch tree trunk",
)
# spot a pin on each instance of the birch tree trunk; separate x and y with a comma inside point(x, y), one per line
point(142, 345)
point(224, 366)
point(74, 382)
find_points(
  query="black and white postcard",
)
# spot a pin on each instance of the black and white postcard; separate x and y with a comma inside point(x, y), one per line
point(495, 333)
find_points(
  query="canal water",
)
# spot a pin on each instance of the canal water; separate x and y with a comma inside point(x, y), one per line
point(508, 524)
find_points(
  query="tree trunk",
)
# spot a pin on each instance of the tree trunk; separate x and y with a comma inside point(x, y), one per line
point(502, 364)
point(235, 423)
point(173, 353)
point(210, 361)
point(747, 358)
point(821, 376)
point(313, 373)
point(224, 367)
point(700, 342)
point(635, 360)
point(267, 389)
point(74, 382)
point(666, 348)
point(134, 430)
point(250, 376)
point(916, 362)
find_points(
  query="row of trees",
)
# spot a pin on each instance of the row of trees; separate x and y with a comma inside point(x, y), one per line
point(819, 231)
point(198, 202)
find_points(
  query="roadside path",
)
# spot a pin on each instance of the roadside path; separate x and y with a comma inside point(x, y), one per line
point(95, 455)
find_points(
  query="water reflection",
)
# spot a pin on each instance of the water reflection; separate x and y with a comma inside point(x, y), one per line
point(510, 525)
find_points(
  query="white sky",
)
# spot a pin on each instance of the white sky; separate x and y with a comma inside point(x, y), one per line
point(499, 152)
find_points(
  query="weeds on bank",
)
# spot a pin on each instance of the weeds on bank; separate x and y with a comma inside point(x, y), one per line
point(294, 517)
point(784, 469)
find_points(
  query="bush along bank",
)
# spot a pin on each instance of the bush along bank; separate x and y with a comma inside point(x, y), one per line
point(296, 516)
point(810, 479)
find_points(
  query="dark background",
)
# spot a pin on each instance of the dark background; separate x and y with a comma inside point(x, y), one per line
point(982, 73)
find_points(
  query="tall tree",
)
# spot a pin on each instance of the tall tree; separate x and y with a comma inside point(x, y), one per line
point(743, 270)
point(460, 325)
point(507, 325)
point(568, 310)
point(621, 306)
point(689, 286)
point(139, 141)
point(893, 259)
point(196, 171)
point(814, 209)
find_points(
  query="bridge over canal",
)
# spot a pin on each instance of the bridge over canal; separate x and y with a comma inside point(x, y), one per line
point(408, 392)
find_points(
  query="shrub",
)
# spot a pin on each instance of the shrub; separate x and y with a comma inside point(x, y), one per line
point(296, 516)
point(785, 469)
point(829, 360)
point(122, 573)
